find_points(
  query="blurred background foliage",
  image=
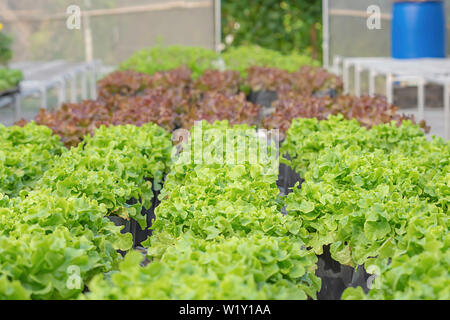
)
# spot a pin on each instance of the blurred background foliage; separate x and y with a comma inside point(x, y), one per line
point(287, 26)
point(5, 48)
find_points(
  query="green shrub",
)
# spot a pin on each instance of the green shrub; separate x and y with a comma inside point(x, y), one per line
point(5, 48)
point(285, 26)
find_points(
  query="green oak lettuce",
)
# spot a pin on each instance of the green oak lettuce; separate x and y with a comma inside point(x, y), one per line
point(25, 154)
point(362, 187)
point(378, 197)
point(257, 267)
point(43, 237)
point(115, 165)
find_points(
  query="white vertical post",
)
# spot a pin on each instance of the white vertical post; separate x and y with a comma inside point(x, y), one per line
point(88, 46)
point(217, 25)
point(84, 80)
point(17, 106)
point(346, 77)
point(372, 76)
point(61, 92)
point(357, 80)
point(43, 91)
point(92, 82)
point(73, 88)
point(421, 99)
point(389, 88)
point(447, 110)
point(326, 33)
point(336, 68)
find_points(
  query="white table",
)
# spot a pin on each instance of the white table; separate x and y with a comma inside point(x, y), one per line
point(39, 77)
point(445, 82)
point(417, 72)
point(12, 97)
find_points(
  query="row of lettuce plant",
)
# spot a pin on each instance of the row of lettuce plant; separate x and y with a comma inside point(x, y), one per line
point(378, 197)
point(55, 235)
point(171, 100)
point(304, 81)
point(175, 86)
point(173, 93)
point(368, 111)
point(242, 57)
point(167, 99)
point(198, 59)
point(219, 232)
point(257, 68)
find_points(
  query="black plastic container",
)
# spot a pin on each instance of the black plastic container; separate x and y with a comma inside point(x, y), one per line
point(133, 227)
point(332, 93)
point(11, 91)
point(287, 178)
point(129, 225)
point(266, 98)
point(263, 98)
point(141, 235)
point(335, 277)
point(360, 278)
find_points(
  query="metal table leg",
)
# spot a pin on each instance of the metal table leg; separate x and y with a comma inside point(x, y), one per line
point(84, 80)
point(389, 88)
point(357, 80)
point(73, 88)
point(421, 99)
point(346, 77)
point(93, 83)
point(447, 111)
point(43, 92)
point(372, 76)
point(61, 93)
point(17, 107)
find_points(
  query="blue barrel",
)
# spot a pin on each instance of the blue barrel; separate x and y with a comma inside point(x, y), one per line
point(418, 30)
